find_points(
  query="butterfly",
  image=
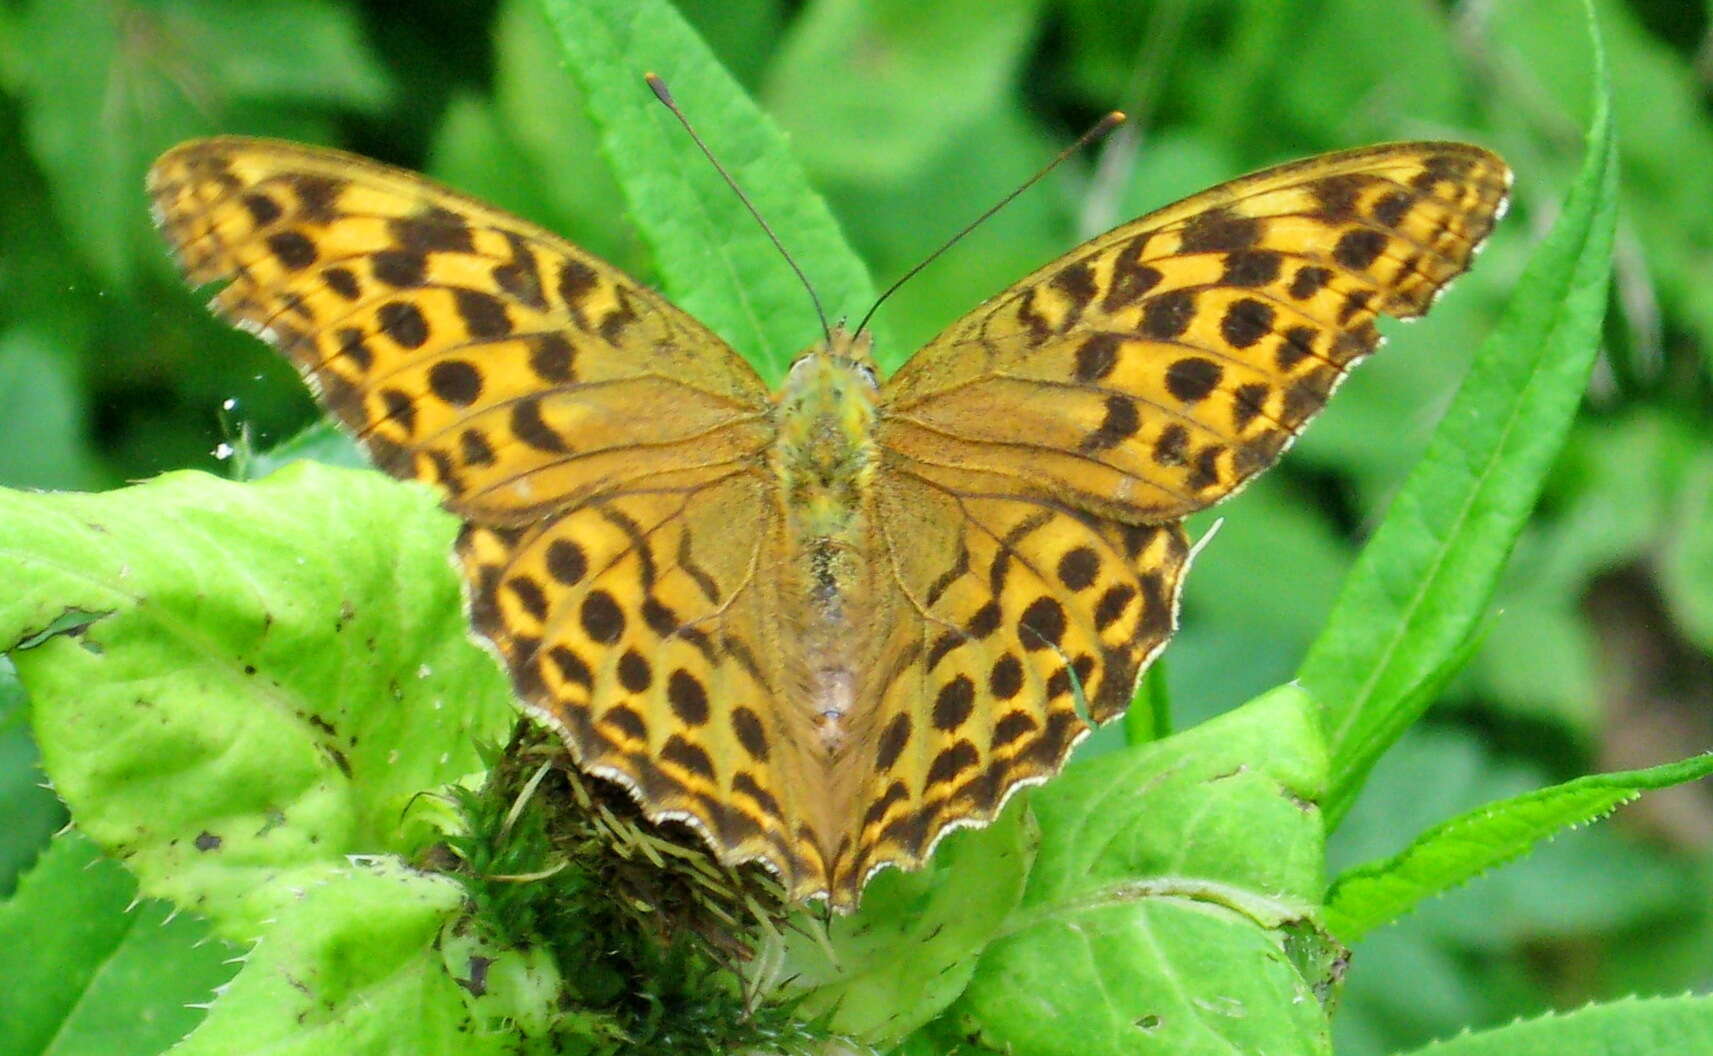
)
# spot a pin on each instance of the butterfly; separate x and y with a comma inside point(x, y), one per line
point(827, 625)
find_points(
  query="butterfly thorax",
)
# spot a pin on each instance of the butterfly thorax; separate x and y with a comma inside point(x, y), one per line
point(825, 457)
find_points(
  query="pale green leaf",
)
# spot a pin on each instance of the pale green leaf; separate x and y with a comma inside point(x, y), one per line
point(1457, 850)
point(1423, 581)
point(1661, 1026)
point(262, 676)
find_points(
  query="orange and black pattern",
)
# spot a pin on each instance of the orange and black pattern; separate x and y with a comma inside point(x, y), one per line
point(634, 557)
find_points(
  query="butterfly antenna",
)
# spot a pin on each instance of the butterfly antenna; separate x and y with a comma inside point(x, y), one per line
point(660, 92)
point(1101, 128)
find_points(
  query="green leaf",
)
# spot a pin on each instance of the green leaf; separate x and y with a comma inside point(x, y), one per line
point(322, 442)
point(715, 262)
point(1457, 960)
point(1686, 566)
point(741, 32)
point(1253, 529)
point(977, 164)
point(108, 87)
point(888, 970)
point(546, 120)
point(1355, 55)
point(1658, 100)
point(515, 983)
point(908, 75)
point(349, 966)
point(282, 51)
point(1424, 580)
point(1455, 851)
point(45, 296)
point(100, 973)
point(266, 674)
point(1149, 717)
point(40, 398)
point(80, 140)
point(1627, 491)
point(1661, 1026)
point(32, 812)
point(1169, 881)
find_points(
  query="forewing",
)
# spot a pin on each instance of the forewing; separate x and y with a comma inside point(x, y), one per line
point(604, 449)
point(1038, 457)
point(1153, 370)
point(460, 345)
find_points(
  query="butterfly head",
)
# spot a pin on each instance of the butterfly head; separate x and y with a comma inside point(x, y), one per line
point(845, 353)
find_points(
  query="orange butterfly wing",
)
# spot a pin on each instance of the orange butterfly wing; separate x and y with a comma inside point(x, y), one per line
point(1038, 456)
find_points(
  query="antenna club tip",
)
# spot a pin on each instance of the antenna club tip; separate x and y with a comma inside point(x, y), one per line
point(1113, 119)
point(658, 86)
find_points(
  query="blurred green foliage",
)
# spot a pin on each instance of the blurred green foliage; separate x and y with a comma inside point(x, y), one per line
point(911, 117)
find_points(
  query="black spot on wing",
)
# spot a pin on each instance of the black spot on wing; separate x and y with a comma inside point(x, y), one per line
point(1220, 230)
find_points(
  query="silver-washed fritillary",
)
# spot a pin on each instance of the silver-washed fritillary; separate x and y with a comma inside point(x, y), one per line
point(825, 626)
